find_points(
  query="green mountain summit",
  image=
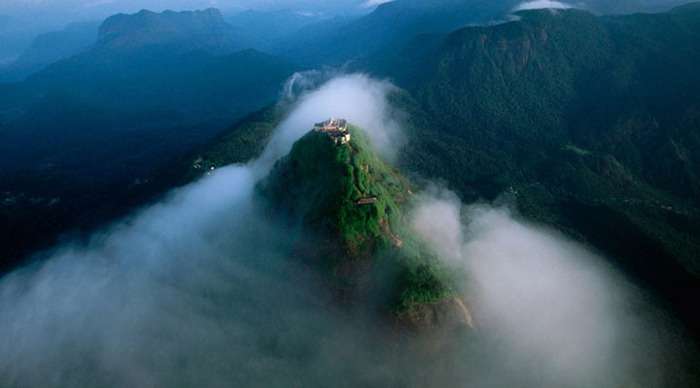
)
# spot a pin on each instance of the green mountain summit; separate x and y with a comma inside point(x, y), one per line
point(348, 207)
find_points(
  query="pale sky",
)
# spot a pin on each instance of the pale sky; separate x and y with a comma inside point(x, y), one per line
point(45, 15)
point(96, 6)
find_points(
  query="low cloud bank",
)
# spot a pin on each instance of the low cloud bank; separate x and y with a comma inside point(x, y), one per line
point(541, 4)
point(197, 290)
point(201, 290)
point(374, 3)
point(547, 306)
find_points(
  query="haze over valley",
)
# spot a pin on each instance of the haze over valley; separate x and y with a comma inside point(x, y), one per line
point(452, 193)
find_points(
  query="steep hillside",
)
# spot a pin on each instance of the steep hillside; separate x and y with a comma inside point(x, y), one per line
point(80, 135)
point(589, 123)
point(348, 206)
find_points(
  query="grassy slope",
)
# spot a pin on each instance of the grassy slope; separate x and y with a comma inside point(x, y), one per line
point(319, 183)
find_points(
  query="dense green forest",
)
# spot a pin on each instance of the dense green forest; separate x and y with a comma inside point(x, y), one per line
point(585, 122)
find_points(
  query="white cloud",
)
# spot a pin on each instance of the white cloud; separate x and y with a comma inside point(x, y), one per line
point(200, 290)
point(541, 300)
point(374, 3)
point(542, 4)
point(197, 290)
point(356, 97)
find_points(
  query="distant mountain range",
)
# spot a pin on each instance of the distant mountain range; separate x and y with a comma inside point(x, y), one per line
point(101, 122)
point(179, 32)
point(15, 37)
point(133, 77)
point(268, 30)
point(339, 41)
point(49, 48)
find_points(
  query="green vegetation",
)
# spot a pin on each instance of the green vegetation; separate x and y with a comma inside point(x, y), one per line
point(589, 123)
point(419, 285)
point(242, 142)
point(323, 183)
point(323, 186)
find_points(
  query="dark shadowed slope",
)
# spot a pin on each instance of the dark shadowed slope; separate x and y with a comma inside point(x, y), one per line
point(81, 133)
point(590, 123)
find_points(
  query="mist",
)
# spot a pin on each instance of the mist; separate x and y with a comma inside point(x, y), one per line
point(194, 290)
point(201, 290)
point(556, 312)
point(356, 97)
point(58, 12)
point(541, 4)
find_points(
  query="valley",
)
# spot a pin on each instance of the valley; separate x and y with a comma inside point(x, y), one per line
point(402, 193)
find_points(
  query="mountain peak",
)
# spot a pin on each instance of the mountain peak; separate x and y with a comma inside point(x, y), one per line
point(335, 129)
point(184, 31)
point(333, 187)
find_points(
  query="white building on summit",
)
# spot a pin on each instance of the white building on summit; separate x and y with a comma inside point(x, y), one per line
point(336, 129)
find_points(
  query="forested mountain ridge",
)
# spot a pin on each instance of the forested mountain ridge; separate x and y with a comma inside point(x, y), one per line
point(344, 41)
point(570, 81)
point(338, 41)
point(586, 123)
point(591, 123)
point(86, 131)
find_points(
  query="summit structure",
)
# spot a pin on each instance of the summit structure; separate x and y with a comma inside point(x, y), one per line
point(336, 129)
